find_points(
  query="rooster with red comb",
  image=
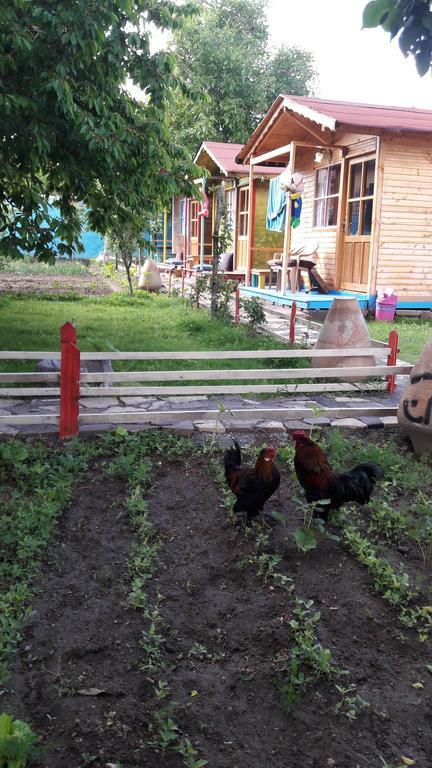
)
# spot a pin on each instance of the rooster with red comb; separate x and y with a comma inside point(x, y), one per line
point(252, 486)
point(322, 484)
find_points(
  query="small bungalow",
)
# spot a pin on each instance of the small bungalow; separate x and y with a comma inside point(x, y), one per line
point(193, 220)
point(366, 201)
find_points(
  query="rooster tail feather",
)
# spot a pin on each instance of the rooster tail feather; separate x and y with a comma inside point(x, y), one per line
point(355, 485)
point(373, 471)
point(232, 459)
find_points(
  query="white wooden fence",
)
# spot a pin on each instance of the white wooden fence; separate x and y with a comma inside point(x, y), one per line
point(70, 384)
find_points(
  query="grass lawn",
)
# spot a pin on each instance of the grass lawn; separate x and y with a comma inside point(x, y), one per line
point(161, 634)
point(116, 322)
point(413, 335)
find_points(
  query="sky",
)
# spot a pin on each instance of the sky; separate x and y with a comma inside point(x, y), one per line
point(353, 64)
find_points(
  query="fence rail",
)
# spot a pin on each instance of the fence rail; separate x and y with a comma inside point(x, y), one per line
point(73, 383)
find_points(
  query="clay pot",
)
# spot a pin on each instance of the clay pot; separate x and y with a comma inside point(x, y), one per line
point(344, 328)
point(415, 407)
point(150, 279)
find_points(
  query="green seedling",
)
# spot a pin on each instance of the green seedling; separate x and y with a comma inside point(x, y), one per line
point(17, 742)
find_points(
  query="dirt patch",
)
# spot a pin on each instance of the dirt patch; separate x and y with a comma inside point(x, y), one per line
point(224, 627)
point(91, 284)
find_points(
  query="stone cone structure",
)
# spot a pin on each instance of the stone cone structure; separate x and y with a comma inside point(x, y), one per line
point(150, 279)
point(344, 328)
point(415, 407)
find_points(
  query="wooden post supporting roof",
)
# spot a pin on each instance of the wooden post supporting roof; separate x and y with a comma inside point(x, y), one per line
point(202, 228)
point(287, 232)
point(250, 229)
point(376, 219)
point(165, 233)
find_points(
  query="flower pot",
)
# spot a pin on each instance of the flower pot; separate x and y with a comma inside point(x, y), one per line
point(344, 328)
point(415, 407)
point(150, 279)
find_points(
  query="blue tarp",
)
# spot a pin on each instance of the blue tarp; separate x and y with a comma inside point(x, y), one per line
point(276, 207)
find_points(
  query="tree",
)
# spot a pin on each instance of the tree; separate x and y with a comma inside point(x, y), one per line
point(411, 20)
point(70, 132)
point(223, 56)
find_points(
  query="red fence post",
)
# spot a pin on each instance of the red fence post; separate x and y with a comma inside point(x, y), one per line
point(69, 382)
point(392, 360)
point(237, 305)
point(292, 323)
point(182, 282)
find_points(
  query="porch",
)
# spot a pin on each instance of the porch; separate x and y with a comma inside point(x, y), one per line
point(305, 300)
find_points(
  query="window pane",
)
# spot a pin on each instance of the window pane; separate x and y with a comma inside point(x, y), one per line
point(321, 182)
point(332, 211)
point(367, 217)
point(355, 186)
point(319, 217)
point(334, 180)
point(354, 210)
point(369, 177)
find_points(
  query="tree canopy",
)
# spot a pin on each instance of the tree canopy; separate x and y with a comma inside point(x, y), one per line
point(411, 20)
point(69, 130)
point(224, 57)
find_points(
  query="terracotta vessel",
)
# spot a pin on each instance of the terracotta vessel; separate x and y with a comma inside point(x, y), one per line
point(415, 407)
point(150, 279)
point(344, 328)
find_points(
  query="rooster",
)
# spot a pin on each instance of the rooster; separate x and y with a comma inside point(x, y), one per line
point(321, 483)
point(252, 486)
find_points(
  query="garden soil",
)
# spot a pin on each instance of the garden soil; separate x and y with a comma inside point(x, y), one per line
point(223, 627)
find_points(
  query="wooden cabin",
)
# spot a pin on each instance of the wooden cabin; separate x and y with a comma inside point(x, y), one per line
point(367, 198)
point(192, 232)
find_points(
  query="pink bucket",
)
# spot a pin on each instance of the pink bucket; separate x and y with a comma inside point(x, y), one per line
point(386, 305)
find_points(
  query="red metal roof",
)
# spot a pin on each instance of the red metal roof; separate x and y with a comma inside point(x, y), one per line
point(368, 115)
point(224, 155)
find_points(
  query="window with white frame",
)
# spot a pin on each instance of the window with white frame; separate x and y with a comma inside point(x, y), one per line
point(326, 200)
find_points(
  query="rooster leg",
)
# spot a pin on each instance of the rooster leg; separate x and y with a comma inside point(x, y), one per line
point(264, 522)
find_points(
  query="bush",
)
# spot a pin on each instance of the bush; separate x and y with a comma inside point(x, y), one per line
point(254, 310)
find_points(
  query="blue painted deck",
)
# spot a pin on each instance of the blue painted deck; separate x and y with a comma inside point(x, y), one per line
point(303, 299)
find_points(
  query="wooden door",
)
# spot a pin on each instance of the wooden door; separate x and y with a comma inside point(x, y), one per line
point(358, 224)
point(242, 228)
point(194, 237)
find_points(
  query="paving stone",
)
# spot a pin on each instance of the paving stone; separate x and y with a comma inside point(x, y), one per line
point(240, 426)
point(389, 421)
point(5, 412)
point(185, 398)
point(372, 422)
point(141, 401)
point(98, 402)
point(6, 430)
point(274, 426)
point(209, 426)
point(318, 421)
point(9, 403)
point(293, 424)
point(183, 428)
point(349, 423)
point(42, 402)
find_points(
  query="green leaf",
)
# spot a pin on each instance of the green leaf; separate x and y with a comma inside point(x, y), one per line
point(374, 13)
point(305, 539)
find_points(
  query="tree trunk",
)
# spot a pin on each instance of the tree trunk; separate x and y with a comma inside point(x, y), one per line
point(215, 238)
point(127, 261)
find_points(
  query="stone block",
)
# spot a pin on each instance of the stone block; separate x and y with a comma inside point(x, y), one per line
point(295, 424)
point(185, 398)
point(389, 421)
point(318, 421)
point(272, 426)
point(373, 422)
point(209, 426)
point(349, 423)
point(240, 426)
point(183, 428)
